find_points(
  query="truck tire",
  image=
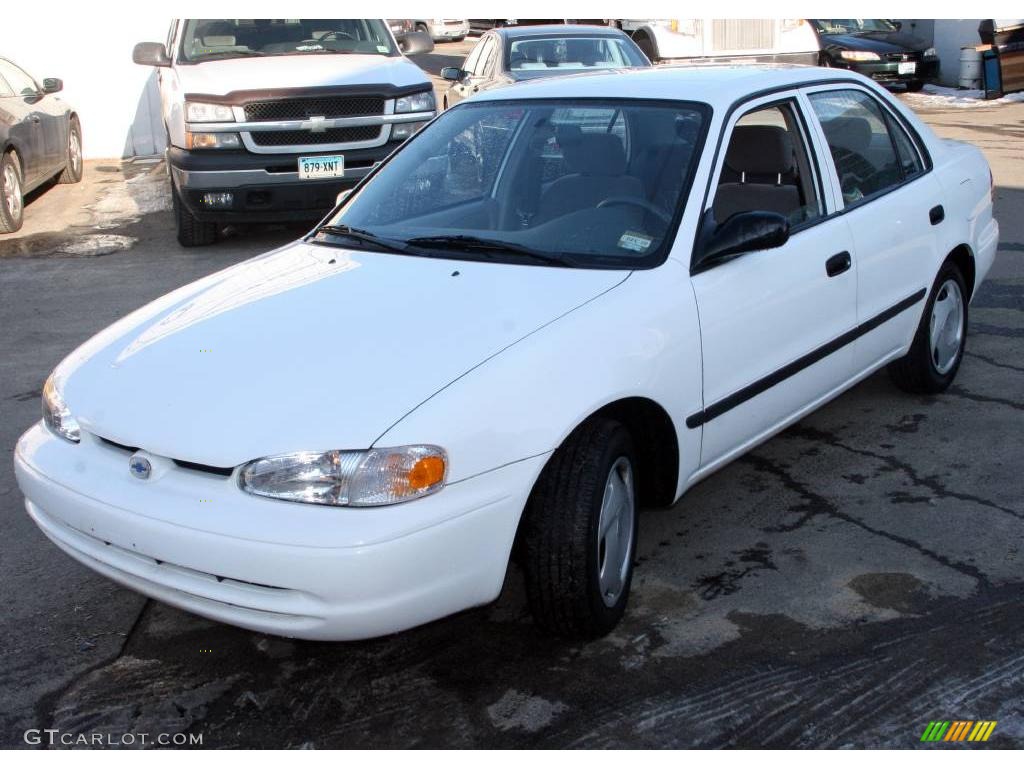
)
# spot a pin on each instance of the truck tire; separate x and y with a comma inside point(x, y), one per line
point(934, 357)
point(191, 231)
point(12, 198)
point(577, 575)
point(72, 173)
point(647, 45)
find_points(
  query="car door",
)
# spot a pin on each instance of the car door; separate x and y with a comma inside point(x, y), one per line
point(26, 129)
point(892, 206)
point(474, 78)
point(772, 322)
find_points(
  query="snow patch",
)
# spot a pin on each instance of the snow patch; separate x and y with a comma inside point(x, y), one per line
point(937, 96)
point(520, 711)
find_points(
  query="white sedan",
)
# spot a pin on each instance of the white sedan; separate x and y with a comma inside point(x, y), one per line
point(557, 304)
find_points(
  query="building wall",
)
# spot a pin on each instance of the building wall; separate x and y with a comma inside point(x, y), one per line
point(116, 100)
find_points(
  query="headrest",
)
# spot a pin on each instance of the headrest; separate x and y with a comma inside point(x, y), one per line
point(760, 149)
point(852, 133)
point(593, 154)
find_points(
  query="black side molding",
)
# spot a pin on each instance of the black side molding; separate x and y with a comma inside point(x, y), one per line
point(739, 397)
point(937, 214)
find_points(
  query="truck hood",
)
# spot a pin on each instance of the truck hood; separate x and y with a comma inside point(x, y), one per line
point(306, 348)
point(224, 76)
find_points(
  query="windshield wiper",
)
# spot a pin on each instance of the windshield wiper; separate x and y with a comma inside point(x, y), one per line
point(364, 236)
point(485, 245)
point(228, 54)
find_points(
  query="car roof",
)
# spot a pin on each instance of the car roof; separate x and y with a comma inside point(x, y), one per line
point(556, 30)
point(719, 85)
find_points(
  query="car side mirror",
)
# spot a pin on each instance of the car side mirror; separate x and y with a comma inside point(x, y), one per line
point(416, 42)
point(151, 55)
point(53, 85)
point(455, 74)
point(740, 233)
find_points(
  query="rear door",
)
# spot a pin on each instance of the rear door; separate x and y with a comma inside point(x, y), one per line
point(772, 322)
point(890, 202)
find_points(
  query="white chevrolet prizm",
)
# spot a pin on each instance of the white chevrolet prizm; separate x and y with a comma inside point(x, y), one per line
point(557, 304)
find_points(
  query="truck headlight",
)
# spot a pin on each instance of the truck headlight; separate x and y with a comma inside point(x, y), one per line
point(859, 55)
point(348, 478)
point(56, 413)
point(929, 53)
point(416, 102)
point(212, 140)
point(198, 112)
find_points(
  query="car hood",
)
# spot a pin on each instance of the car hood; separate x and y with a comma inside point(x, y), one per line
point(306, 348)
point(224, 76)
point(876, 42)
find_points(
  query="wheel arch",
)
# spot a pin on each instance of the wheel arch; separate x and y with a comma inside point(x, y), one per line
point(963, 257)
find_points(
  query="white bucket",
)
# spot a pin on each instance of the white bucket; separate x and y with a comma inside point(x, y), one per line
point(970, 68)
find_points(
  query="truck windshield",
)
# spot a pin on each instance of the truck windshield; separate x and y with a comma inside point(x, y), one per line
point(206, 39)
point(596, 183)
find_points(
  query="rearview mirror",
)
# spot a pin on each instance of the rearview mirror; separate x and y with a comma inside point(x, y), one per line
point(53, 85)
point(455, 74)
point(416, 42)
point(151, 55)
point(740, 233)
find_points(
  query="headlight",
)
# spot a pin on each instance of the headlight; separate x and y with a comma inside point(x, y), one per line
point(56, 413)
point(929, 53)
point(349, 478)
point(197, 112)
point(212, 140)
point(859, 55)
point(417, 102)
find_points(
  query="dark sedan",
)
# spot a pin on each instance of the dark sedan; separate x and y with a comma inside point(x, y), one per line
point(40, 138)
point(878, 49)
point(512, 54)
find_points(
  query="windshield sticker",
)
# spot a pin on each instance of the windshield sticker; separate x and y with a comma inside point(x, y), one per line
point(634, 241)
point(313, 47)
point(382, 49)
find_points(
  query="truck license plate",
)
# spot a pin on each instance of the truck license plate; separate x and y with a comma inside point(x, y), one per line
point(321, 167)
point(907, 67)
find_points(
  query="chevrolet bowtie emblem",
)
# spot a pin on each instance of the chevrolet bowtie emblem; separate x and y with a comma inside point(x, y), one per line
point(314, 124)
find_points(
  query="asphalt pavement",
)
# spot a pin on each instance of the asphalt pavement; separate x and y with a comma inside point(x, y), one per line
point(846, 583)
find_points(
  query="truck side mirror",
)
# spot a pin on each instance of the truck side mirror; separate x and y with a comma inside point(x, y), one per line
point(151, 55)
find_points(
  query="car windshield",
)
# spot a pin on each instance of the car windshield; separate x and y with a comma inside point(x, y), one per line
point(206, 39)
point(545, 54)
point(853, 26)
point(587, 183)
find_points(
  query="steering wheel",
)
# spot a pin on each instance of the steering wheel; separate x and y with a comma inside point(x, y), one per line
point(334, 35)
point(638, 202)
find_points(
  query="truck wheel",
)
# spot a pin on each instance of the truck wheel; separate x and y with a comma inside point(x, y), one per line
point(191, 231)
point(72, 173)
point(934, 358)
point(12, 204)
point(579, 534)
point(646, 44)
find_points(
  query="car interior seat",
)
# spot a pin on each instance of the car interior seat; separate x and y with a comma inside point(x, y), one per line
point(760, 158)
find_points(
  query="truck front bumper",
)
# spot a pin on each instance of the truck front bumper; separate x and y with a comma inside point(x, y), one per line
point(263, 187)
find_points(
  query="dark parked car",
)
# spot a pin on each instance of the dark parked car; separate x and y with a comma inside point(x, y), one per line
point(878, 49)
point(511, 54)
point(40, 138)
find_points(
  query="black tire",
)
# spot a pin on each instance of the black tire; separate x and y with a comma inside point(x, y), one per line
point(11, 215)
point(916, 372)
point(561, 551)
point(72, 173)
point(458, 39)
point(645, 44)
point(914, 86)
point(191, 231)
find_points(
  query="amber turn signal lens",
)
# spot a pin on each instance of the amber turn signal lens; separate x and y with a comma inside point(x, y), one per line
point(426, 472)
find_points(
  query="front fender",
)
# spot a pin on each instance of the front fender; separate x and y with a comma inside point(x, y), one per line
point(640, 339)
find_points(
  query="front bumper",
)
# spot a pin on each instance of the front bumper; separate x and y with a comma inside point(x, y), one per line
point(198, 542)
point(887, 72)
point(264, 187)
point(443, 32)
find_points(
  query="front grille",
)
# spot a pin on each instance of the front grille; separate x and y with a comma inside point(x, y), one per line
point(322, 106)
point(207, 468)
point(911, 56)
point(330, 136)
point(742, 34)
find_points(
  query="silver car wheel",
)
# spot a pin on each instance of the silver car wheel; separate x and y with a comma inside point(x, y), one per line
point(946, 329)
point(12, 190)
point(75, 152)
point(615, 531)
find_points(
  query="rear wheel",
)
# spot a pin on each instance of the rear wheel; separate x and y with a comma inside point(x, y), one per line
point(645, 44)
point(72, 173)
point(934, 357)
point(914, 86)
point(191, 231)
point(579, 535)
point(12, 206)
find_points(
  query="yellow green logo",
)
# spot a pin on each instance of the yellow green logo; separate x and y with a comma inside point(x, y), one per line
point(958, 730)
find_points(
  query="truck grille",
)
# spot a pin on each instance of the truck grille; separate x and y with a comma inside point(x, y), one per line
point(330, 136)
point(322, 106)
point(742, 34)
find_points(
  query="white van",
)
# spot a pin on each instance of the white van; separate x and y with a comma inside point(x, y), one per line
point(791, 41)
point(269, 119)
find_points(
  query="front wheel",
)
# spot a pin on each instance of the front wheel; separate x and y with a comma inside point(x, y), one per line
point(934, 357)
point(72, 173)
point(12, 204)
point(579, 533)
point(914, 86)
point(191, 231)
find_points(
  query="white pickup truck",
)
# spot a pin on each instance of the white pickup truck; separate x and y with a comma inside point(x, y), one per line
point(269, 119)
